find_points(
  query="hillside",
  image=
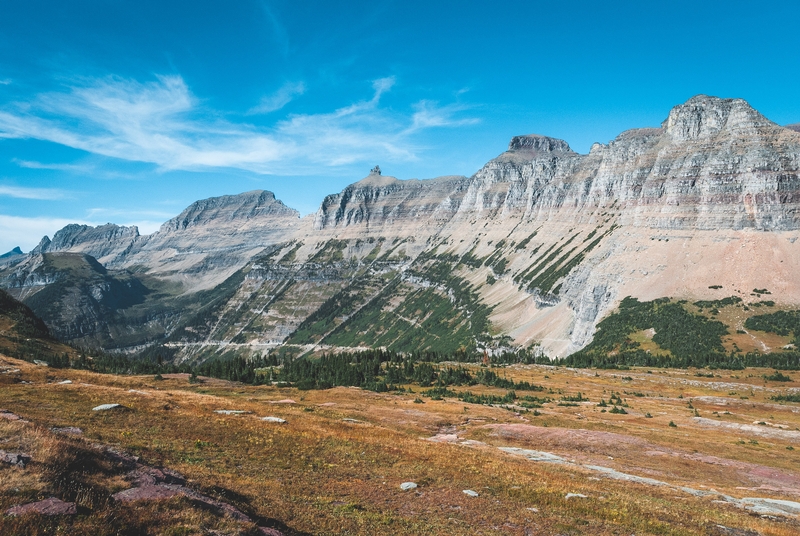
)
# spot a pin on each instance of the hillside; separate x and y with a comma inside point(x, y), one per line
point(667, 452)
point(533, 250)
point(25, 335)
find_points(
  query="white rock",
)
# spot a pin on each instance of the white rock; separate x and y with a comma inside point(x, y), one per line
point(231, 411)
point(576, 495)
point(65, 382)
point(273, 419)
point(405, 486)
point(470, 493)
point(106, 407)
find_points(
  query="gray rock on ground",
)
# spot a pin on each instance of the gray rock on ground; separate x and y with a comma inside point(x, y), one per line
point(11, 458)
point(575, 495)
point(149, 492)
point(10, 416)
point(71, 430)
point(47, 507)
point(106, 407)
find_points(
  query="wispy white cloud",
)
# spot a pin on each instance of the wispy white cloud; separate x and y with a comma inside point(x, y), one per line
point(5, 81)
point(429, 114)
point(32, 164)
point(279, 99)
point(163, 123)
point(21, 192)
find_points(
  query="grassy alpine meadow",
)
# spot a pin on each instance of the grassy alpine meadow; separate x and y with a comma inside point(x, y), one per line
point(584, 451)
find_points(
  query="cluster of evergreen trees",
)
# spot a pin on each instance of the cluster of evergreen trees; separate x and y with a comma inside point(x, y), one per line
point(379, 370)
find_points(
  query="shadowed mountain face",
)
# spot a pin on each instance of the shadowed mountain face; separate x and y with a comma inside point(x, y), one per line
point(536, 247)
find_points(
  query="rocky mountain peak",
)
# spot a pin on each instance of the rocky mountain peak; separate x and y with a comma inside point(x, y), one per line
point(703, 117)
point(13, 253)
point(44, 244)
point(795, 127)
point(74, 234)
point(534, 143)
point(245, 206)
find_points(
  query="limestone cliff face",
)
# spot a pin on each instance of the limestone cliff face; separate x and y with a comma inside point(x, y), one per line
point(214, 237)
point(105, 242)
point(714, 163)
point(377, 203)
point(250, 209)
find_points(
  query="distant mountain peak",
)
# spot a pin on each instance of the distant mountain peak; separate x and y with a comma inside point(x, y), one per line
point(703, 117)
point(13, 253)
point(244, 206)
point(535, 143)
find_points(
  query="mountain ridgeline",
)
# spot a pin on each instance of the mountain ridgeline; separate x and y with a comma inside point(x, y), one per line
point(535, 249)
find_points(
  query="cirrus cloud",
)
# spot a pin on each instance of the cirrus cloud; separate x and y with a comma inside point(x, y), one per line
point(163, 123)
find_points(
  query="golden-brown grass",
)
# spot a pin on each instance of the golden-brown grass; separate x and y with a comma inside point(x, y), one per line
point(323, 475)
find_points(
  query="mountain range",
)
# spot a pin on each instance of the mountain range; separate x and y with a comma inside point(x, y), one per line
point(533, 250)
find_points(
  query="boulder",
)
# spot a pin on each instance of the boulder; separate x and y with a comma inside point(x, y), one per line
point(47, 507)
point(9, 416)
point(106, 407)
point(149, 493)
point(11, 458)
point(71, 430)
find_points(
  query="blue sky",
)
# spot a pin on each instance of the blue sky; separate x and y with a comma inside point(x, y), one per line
point(127, 111)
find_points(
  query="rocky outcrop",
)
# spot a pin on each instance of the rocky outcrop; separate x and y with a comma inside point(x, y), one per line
point(104, 242)
point(47, 507)
point(257, 206)
point(378, 202)
point(13, 253)
point(714, 163)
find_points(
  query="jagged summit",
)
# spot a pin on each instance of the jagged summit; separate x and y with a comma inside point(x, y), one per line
point(795, 127)
point(702, 117)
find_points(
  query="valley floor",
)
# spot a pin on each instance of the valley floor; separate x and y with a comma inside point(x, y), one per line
point(684, 452)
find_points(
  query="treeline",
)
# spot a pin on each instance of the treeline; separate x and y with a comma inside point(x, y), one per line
point(691, 339)
point(639, 358)
point(382, 371)
point(781, 322)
